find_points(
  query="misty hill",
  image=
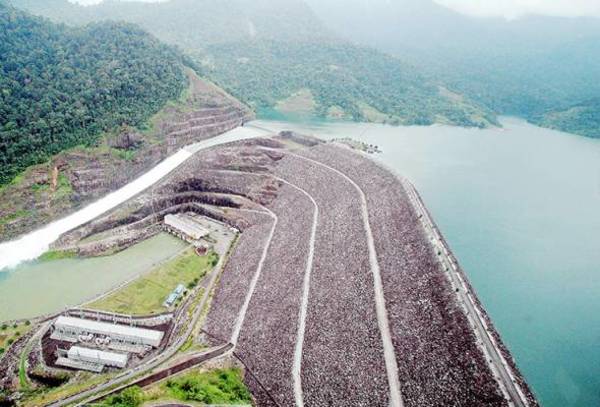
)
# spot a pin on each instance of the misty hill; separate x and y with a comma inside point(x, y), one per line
point(277, 54)
point(337, 80)
point(191, 24)
point(582, 118)
point(61, 87)
point(521, 67)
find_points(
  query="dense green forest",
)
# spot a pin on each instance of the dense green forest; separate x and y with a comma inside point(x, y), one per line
point(523, 67)
point(62, 86)
point(338, 75)
point(265, 51)
point(582, 118)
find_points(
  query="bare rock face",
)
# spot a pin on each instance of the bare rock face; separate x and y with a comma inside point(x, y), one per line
point(127, 140)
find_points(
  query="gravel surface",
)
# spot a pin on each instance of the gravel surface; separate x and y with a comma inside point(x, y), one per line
point(439, 360)
point(342, 359)
point(236, 277)
point(268, 335)
point(343, 354)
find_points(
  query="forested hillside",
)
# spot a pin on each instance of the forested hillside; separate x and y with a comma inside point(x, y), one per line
point(339, 80)
point(266, 52)
point(582, 118)
point(524, 67)
point(62, 86)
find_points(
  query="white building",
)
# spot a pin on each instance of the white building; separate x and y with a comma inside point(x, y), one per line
point(185, 227)
point(178, 292)
point(74, 329)
point(100, 357)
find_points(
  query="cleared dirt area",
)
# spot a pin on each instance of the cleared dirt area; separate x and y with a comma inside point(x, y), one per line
point(333, 294)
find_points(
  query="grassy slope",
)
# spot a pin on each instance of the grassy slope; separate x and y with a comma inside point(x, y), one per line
point(82, 381)
point(10, 334)
point(146, 295)
point(215, 387)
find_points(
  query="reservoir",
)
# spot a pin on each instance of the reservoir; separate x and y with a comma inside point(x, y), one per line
point(519, 206)
point(41, 287)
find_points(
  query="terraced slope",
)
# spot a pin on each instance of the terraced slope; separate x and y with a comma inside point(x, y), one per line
point(81, 175)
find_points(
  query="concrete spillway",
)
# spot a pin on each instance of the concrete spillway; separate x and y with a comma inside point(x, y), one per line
point(34, 244)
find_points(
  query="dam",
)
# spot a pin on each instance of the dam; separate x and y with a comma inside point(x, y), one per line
point(476, 221)
point(354, 226)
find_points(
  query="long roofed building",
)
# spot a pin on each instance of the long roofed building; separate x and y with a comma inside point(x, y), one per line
point(185, 227)
point(72, 329)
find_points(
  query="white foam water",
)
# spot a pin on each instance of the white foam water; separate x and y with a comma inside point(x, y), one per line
point(34, 244)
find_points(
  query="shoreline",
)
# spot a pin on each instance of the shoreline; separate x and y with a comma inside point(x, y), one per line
point(445, 255)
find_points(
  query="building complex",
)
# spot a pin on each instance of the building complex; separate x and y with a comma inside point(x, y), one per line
point(100, 344)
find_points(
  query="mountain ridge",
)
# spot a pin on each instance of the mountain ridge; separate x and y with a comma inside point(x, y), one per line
point(275, 51)
point(524, 67)
point(64, 86)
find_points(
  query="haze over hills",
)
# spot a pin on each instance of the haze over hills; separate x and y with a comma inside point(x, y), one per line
point(191, 24)
point(278, 54)
point(529, 66)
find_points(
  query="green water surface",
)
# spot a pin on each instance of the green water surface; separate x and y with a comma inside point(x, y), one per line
point(43, 287)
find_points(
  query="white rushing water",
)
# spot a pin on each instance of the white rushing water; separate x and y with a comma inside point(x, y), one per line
point(36, 243)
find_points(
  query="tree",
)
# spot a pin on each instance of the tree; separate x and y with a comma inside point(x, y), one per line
point(130, 397)
point(61, 86)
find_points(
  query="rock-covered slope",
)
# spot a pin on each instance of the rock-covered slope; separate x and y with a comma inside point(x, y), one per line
point(298, 297)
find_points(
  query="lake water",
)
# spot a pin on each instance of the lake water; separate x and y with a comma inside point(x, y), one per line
point(520, 207)
point(37, 288)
